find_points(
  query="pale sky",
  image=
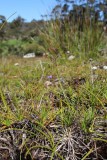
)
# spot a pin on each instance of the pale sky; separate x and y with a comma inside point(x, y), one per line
point(27, 9)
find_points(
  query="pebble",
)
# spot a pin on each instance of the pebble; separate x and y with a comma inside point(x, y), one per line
point(48, 83)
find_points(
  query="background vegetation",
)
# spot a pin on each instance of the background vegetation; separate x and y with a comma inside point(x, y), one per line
point(79, 27)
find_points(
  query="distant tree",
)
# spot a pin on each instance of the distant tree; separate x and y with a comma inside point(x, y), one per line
point(17, 26)
point(82, 10)
point(80, 14)
point(2, 28)
point(2, 19)
point(56, 12)
point(33, 20)
point(18, 22)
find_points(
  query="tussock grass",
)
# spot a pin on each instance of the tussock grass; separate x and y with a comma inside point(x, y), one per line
point(61, 35)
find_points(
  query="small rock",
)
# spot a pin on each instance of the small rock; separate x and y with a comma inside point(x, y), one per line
point(48, 83)
point(29, 55)
point(16, 64)
point(71, 57)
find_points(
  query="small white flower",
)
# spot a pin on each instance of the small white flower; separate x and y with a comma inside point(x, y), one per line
point(94, 68)
point(71, 57)
point(105, 67)
point(16, 64)
point(68, 52)
point(24, 136)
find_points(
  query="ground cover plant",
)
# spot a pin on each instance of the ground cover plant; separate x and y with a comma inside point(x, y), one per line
point(65, 119)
